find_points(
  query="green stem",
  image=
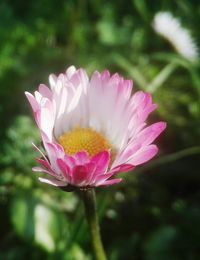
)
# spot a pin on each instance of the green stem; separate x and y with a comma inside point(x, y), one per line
point(161, 77)
point(170, 158)
point(89, 200)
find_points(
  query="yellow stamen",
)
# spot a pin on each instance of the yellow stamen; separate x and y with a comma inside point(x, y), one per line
point(84, 139)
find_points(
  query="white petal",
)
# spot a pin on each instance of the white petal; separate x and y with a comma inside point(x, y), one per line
point(53, 182)
point(52, 81)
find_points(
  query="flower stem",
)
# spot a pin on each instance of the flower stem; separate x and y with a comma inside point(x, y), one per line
point(89, 199)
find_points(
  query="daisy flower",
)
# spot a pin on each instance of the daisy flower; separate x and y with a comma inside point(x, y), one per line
point(92, 129)
point(170, 28)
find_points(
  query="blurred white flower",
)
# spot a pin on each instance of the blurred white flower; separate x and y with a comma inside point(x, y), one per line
point(170, 28)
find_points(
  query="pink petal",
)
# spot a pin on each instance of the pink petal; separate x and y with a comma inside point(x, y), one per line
point(81, 157)
point(32, 101)
point(38, 96)
point(150, 133)
point(105, 75)
point(44, 163)
point(124, 156)
point(123, 168)
point(55, 149)
point(138, 98)
point(46, 122)
point(144, 155)
point(40, 169)
point(54, 152)
point(70, 71)
point(37, 117)
point(111, 182)
point(45, 91)
point(80, 176)
point(52, 81)
point(101, 160)
point(56, 183)
point(144, 138)
point(142, 102)
point(91, 168)
point(70, 161)
point(64, 169)
point(101, 178)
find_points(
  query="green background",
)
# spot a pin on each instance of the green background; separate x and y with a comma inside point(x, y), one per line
point(154, 214)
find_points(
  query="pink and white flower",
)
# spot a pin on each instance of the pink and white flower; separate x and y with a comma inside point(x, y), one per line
point(92, 128)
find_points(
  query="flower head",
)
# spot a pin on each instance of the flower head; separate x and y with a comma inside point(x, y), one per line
point(92, 128)
point(170, 28)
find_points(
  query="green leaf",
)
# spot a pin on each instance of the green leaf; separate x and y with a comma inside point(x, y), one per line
point(164, 74)
point(159, 245)
point(46, 227)
point(22, 216)
point(36, 222)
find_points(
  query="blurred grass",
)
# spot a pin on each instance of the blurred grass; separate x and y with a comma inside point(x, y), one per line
point(155, 212)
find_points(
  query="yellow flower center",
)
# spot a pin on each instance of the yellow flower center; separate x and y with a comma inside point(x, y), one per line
point(84, 139)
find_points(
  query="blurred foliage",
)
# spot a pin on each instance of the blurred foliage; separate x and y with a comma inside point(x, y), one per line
point(156, 212)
